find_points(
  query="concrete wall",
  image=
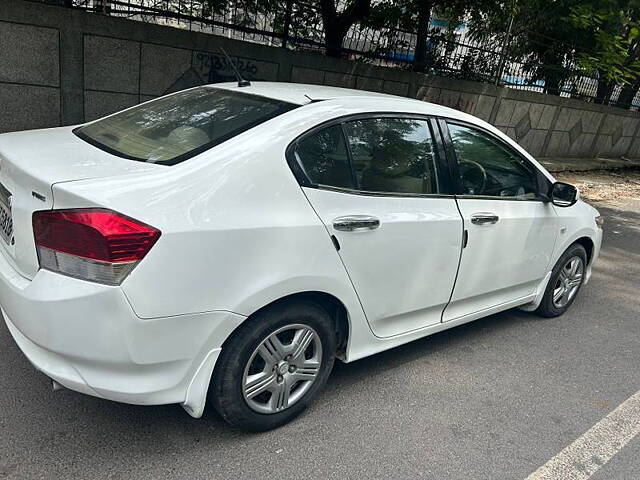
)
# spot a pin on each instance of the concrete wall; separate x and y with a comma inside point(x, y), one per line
point(62, 67)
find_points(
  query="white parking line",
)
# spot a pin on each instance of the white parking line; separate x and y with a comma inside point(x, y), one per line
point(596, 446)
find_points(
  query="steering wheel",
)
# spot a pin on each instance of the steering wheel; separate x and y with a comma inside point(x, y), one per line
point(473, 177)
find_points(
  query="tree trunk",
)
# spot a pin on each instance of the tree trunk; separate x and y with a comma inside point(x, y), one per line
point(287, 23)
point(424, 18)
point(333, 38)
point(552, 69)
point(552, 72)
point(603, 92)
point(336, 25)
point(627, 95)
point(102, 6)
point(552, 83)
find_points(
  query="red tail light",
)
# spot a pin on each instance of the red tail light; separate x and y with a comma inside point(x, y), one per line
point(94, 244)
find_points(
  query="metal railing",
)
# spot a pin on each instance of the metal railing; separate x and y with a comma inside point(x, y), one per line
point(452, 55)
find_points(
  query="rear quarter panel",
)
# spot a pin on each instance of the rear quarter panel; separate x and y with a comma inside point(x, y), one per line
point(237, 230)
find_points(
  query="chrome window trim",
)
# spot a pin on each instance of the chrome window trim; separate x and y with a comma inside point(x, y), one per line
point(366, 193)
point(509, 199)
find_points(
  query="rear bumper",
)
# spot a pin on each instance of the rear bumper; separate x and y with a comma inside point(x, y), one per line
point(87, 338)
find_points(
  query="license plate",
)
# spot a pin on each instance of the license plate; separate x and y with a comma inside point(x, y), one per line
point(6, 222)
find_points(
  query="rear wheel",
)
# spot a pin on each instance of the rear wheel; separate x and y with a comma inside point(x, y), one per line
point(566, 279)
point(273, 366)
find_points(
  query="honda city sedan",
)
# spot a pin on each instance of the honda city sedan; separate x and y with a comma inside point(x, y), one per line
point(227, 243)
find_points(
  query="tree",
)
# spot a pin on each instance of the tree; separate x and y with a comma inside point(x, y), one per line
point(553, 38)
point(415, 16)
point(614, 50)
point(543, 36)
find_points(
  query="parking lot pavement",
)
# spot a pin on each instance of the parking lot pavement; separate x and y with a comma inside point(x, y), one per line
point(494, 399)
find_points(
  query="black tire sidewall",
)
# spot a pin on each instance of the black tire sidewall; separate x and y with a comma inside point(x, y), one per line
point(225, 392)
point(547, 308)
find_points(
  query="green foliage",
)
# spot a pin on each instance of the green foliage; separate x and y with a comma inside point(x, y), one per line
point(553, 37)
point(615, 32)
point(542, 35)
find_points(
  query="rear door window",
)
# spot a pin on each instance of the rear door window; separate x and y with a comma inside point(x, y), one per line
point(393, 155)
point(171, 129)
point(323, 157)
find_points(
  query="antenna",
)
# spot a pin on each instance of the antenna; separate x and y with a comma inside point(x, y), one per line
point(241, 81)
point(313, 100)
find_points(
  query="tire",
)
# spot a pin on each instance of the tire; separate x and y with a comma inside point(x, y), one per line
point(251, 377)
point(550, 308)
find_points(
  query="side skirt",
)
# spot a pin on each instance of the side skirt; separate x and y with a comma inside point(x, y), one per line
point(378, 345)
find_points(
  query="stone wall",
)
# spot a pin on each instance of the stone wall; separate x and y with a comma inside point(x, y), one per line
point(61, 67)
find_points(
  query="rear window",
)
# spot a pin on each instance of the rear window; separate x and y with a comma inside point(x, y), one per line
point(171, 129)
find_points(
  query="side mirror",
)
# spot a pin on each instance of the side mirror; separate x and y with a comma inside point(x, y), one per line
point(563, 195)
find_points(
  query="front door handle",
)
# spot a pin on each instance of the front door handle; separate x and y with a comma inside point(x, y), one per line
point(484, 218)
point(355, 223)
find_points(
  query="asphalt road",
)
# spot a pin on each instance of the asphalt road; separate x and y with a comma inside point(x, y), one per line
point(494, 399)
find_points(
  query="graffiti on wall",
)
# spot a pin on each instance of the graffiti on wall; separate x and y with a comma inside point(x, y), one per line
point(217, 68)
point(207, 67)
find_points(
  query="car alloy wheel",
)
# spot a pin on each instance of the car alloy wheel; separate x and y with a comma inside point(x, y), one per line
point(274, 364)
point(282, 369)
point(567, 277)
point(568, 282)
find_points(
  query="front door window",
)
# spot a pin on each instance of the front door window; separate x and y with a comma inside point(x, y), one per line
point(487, 167)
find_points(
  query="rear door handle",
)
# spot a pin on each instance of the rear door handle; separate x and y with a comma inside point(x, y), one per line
point(484, 218)
point(355, 223)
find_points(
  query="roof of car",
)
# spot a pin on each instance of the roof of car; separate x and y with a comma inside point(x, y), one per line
point(303, 94)
point(298, 93)
point(362, 100)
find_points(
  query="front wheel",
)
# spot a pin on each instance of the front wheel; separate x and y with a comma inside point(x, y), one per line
point(566, 279)
point(273, 365)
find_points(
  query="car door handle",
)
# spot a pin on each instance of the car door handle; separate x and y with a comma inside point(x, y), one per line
point(354, 223)
point(484, 218)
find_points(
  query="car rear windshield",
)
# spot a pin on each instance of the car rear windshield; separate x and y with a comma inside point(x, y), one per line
point(172, 129)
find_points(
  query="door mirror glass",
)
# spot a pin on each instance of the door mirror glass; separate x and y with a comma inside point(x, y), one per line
point(563, 195)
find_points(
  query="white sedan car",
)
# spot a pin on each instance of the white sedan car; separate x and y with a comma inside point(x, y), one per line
point(227, 243)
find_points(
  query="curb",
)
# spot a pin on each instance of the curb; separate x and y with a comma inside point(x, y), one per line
point(557, 165)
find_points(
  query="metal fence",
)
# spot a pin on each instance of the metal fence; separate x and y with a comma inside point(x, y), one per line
point(297, 25)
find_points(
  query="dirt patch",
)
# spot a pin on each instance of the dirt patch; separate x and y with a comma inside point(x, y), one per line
point(605, 186)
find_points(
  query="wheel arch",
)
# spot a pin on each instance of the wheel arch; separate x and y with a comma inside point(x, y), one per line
point(588, 245)
point(334, 307)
